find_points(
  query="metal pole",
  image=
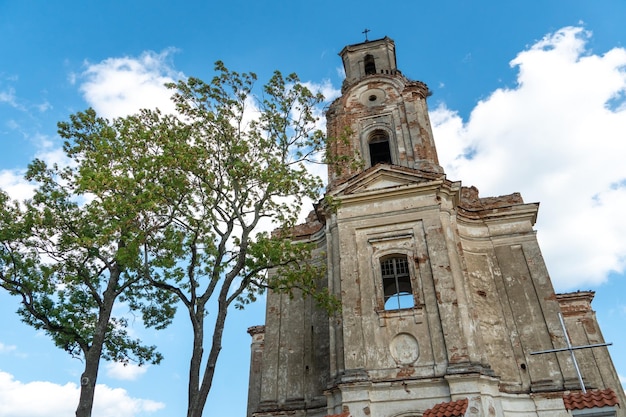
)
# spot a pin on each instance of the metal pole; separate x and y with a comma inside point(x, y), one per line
point(571, 351)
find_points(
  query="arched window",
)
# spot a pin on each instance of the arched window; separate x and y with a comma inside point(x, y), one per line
point(379, 148)
point(370, 65)
point(396, 283)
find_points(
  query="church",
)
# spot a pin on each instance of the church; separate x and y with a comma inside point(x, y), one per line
point(447, 307)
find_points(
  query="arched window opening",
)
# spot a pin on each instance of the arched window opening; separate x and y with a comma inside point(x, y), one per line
point(396, 283)
point(379, 148)
point(370, 65)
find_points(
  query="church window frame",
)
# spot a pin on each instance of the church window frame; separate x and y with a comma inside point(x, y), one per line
point(379, 147)
point(396, 282)
point(398, 241)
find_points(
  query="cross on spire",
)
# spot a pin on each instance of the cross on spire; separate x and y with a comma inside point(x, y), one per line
point(366, 31)
point(571, 350)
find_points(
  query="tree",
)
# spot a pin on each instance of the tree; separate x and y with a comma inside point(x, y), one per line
point(75, 249)
point(156, 208)
point(245, 163)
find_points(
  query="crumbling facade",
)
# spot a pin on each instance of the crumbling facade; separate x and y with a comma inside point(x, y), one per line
point(445, 295)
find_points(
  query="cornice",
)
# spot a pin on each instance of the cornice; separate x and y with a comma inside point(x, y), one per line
point(499, 214)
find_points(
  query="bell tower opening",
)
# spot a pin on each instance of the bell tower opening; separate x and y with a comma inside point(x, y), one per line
point(370, 65)
point(380, 152)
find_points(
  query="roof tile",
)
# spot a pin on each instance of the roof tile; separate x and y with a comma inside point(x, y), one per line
point(590, 399)
point(449, 409)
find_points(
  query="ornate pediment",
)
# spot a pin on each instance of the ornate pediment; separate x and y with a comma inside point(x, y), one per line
point(384, 177)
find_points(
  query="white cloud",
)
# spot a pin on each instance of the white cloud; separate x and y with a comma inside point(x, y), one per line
point(45, 106)
point(7, 348)
point(341, 72)
point(558, 138)
point(13, 183)
point(12, 180)
point(330, 93)
point(326, 88)
point(72, 77)
point(12, 124)
point(16, 400)
point(126, 372)
point(117, 87)
point(50, 151)
point(8, 96)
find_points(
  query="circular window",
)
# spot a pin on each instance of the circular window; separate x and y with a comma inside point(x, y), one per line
point(372, 97)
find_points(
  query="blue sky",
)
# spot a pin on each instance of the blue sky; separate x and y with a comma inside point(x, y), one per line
point(527, 96)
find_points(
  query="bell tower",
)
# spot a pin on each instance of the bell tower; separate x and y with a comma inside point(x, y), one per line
point(369, 58)
point(444, 294)
point(381, 117)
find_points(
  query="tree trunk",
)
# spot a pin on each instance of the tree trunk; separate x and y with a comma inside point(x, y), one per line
point(201, 392)
point(88, 384)
point(94, 352)
point(197, 322)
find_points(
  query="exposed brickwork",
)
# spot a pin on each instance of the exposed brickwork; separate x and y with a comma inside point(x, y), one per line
point(255, 330)
point(310, 226)
point(471, 201)
point(575, 302)
point(384, 101)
